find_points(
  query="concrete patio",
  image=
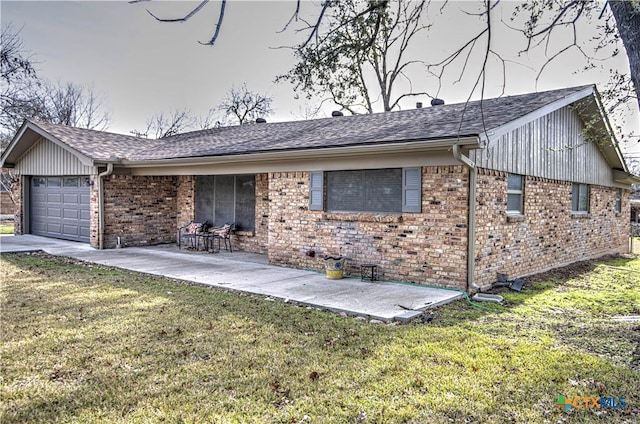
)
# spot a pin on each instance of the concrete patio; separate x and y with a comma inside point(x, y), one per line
point(250, 273)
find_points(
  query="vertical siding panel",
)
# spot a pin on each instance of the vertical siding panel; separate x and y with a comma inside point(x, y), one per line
point(549, 147)
point(46, 158)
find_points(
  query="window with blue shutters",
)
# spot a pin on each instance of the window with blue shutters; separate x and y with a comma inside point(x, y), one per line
point(390, 190)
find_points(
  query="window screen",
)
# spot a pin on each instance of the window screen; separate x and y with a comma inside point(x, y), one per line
point(370, 190)
point(222, 199)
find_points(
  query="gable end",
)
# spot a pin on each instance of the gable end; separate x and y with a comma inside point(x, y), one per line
point(48, 158)
point(552, 146)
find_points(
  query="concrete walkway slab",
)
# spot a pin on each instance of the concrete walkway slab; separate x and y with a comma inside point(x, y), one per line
point(250, 273)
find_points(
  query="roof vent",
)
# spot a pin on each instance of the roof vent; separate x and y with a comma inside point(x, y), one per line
point(336, 113)
point(437, 102)
point(261, 121)
point(418, 105)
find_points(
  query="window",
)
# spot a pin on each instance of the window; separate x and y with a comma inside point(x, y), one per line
point(222, 199)
point(514, 194)
point(53, 182)
point(71, 182)
point(618, 200)
point(392, 190)
point(580, 198)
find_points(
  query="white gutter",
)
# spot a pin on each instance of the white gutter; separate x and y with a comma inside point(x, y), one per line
point(106, 173)
point(471, 229)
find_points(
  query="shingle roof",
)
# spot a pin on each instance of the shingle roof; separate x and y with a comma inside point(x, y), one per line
point(431, 123)
point(98, 145)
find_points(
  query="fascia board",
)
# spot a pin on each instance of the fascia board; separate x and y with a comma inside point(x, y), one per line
point(84, 159)
point(10, 148)
point(470, 142)
point(623, 177)
point(614, 147)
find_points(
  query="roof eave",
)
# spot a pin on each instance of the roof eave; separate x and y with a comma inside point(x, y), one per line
point(18, 148)
point(609, 149)
point(624, 177)
point(467, 142)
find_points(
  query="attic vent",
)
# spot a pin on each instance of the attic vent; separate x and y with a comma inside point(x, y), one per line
point(437, 102)
point(261, 121)
point(418, 105)
point(336, 113)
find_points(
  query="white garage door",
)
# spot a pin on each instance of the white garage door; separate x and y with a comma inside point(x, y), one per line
point(60, 207)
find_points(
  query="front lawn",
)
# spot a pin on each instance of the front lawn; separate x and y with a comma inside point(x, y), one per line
point(86, 343)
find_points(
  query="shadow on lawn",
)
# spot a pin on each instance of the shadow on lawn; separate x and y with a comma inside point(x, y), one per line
point(167, 350)
point(108, 339)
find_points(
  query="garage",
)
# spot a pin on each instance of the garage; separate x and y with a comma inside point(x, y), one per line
point(59, 207)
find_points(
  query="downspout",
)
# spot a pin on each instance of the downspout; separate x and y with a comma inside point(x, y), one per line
point(471, 229)
point(106, 173)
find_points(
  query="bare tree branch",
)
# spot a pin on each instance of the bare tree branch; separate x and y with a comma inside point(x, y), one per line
point(183, 19)
point(211, 42)
point(245, 105)
point(293, 17)
point(189, 15)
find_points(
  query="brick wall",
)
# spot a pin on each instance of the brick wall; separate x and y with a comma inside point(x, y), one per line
point(427, 247)
point(547, 235)
point(141, 210)
point(257, 241)
point(18, 212)
point(7, 207)
point(94, 213)
point(185, 198)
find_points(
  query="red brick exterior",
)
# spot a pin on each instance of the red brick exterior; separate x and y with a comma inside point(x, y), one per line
point(17, 207)
point(257, 241)
point(94, 218)
point(548, 235)
point(427, 247)
point(186, 199)
point(141, 210)
point(7, 207)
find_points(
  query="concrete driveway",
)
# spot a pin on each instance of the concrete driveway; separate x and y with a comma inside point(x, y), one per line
point(250, 273)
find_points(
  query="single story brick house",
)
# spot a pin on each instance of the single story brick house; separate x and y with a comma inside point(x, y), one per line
point(449, 195)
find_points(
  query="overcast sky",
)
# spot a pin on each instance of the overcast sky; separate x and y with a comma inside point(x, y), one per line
point(144, 67)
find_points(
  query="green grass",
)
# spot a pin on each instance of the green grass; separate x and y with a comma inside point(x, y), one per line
point(86, 343)
point(6, 228)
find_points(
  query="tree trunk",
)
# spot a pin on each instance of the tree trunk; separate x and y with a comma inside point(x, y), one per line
point(627, 16)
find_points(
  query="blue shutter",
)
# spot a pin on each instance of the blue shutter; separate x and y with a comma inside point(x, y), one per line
point(316, 191)
point(411, 189)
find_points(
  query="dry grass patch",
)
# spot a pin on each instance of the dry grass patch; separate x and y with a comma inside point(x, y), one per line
point(86, 343)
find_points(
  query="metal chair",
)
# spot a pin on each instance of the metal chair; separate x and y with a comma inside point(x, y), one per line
point(190, 233)
point(222, 234)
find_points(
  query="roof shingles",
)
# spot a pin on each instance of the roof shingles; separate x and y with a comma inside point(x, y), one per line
point(433, 123)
